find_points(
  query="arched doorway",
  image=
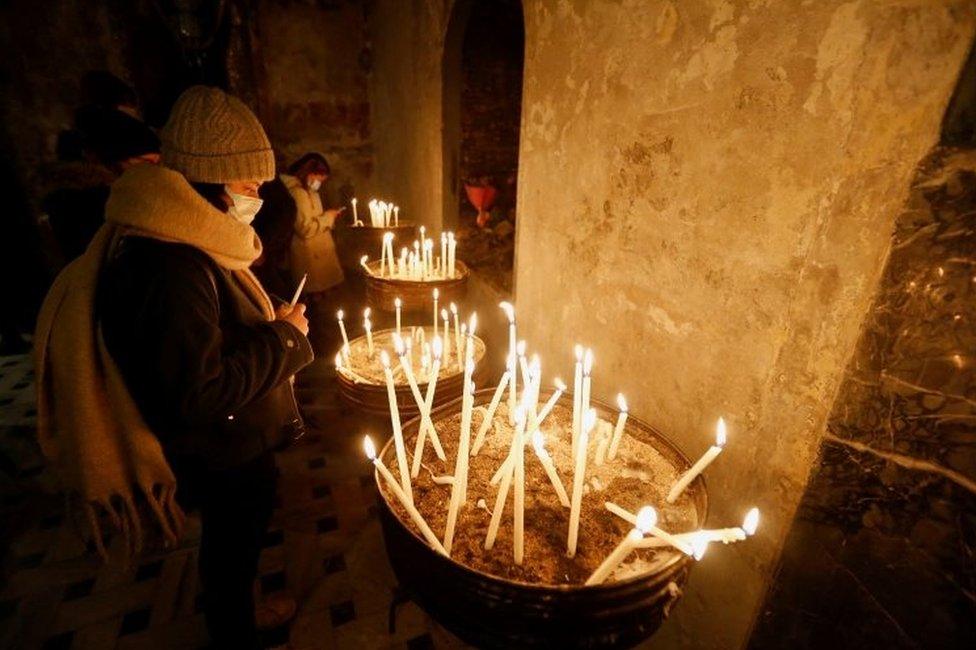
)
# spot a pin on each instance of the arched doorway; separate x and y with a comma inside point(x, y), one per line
point(483, 59)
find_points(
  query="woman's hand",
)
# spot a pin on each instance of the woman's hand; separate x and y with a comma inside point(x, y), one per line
point(330, 216)
point(294, 315)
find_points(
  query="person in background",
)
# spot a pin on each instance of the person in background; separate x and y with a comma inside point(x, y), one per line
point(313, 249)
point(275, 225)
point(164, 373)
point(110, 143)
point(103, 89)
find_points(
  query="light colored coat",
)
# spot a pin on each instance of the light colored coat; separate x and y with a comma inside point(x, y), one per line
point(313, 249)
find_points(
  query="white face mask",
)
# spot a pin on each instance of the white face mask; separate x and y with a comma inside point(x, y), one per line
point(314, 185)
point(244, 208)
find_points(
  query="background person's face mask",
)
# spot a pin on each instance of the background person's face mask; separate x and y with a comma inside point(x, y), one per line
point(314, 184)
point(244, 208)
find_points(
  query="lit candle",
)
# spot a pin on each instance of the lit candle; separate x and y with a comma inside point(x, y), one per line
point(342, 329)
point(383, 255)
point(490, 413)
point(577, 394)
point(437, 294)
point(538, 443)
point(338, 361)
point(579, 475)
point(402, 496)
point(646, 519)
point(388, 251)
point(512, 358)
point(396, 215)
point(447, 336)
point(618, 431)
point(502, 495)
point(368, 326)
point(444, 253)
point(457, 333)
point(399, 305)
point(523, 363)
point(587, 381)
point(401, 451)
point(681, 542)
point(702, 463)
point(460, 350)
point(459, 487)
point(355, 215)
point(451, 254)
point(362, 263)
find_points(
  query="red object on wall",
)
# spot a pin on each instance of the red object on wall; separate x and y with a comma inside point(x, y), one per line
point(482, 197)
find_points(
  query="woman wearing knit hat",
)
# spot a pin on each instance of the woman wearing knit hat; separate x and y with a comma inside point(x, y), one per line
point(162, 363)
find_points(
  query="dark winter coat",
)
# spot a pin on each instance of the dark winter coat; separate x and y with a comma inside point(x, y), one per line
point(209, 373)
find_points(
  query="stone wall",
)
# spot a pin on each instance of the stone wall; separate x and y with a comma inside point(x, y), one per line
point(405, 103)
point(315, 59)
point(707, 191)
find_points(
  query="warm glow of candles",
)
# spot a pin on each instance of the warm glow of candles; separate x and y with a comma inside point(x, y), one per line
point(437, 294)
point(401, 496)
point(425, 410)
point(362, 263)
point(577, 394)
point(368, 326)
point(703, 462)
point(509, 310)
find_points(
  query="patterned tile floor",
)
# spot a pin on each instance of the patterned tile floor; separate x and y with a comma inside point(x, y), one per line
point(324, 545)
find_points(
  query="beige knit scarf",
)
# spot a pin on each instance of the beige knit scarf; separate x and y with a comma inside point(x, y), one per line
point(89, 427)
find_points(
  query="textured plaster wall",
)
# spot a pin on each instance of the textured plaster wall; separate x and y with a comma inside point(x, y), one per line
point(706, 196)
point(316, 92)
point(405, 103)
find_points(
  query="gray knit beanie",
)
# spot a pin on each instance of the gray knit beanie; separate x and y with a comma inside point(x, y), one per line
point(212, 137)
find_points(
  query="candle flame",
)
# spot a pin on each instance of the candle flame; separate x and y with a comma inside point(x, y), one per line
point(362, 260)
point(398, 344)
point(622, 402)
point(437, 293)
point(539, 443)
point(385, 359)
point(720, 433)
point(589, 421)
point(367, 312)
point(354, 200)
point(699, 544)
point(751, 522)
point(369, 447)
point(340, 314)
point(387, 237)
point(444, 314)
point(398, 303)
point(473, 323)
point(509, 310)
point(646, 519)
point(338, 360)
point(560, 386)
point(438, 348)
point(578, 351)
point(588, 362)
point(520, 348)
point(453, 308)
